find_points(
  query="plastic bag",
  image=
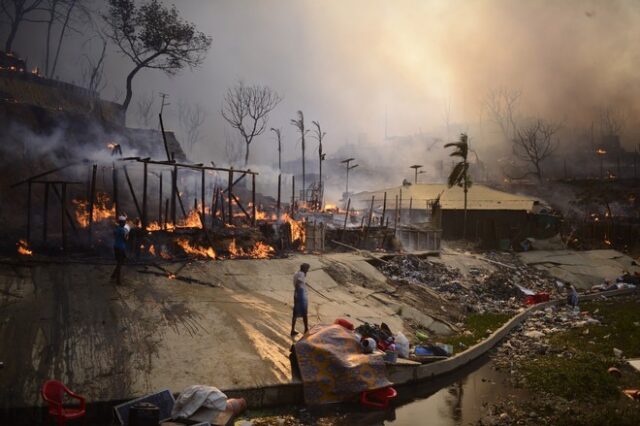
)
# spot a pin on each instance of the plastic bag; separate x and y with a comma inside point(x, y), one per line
point(402, 345)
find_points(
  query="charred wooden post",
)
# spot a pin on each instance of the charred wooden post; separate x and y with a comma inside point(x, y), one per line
point(66, 212)
point(279, 195)
point(384, 209)
point(174, 182)
point(395, 215)
point(114, 177)
point(230, 194)
point(164, 137)
point(92, 200)
point(222, 210)
point(29, 211)
point(253, 200)
point(45, 212)
point(242, 209)
point(214, 205)
point(143, 219)
point(202, 194)
point(63, 202)
point(293, 194)
point(166, 213)
point(373, 198)
point(346, 217)
point(133, 193)
point(160, 199)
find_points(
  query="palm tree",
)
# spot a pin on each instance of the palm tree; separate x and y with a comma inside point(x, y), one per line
point(299, 124)
point(460, 174)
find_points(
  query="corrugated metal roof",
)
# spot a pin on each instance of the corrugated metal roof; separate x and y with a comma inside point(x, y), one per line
point(479, 197)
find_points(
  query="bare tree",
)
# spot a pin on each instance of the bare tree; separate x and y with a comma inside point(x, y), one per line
point(611, 122)
point(143, 106)
point(154, 36)
point(232, 147)
point(247, 108)
point(502, 105)
point(534, 143)
point(299, 124)
point(68, 13)
point(93, 70)
point(17, 12)
point(191, 120)
point(279, 137)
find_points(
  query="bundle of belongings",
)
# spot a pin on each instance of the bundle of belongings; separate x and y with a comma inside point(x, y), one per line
point(333, 367)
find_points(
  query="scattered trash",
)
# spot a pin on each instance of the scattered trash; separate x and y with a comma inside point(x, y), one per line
point(402, 345)
point(617, 352)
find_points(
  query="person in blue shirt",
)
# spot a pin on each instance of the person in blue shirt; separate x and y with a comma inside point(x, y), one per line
point(120, 235)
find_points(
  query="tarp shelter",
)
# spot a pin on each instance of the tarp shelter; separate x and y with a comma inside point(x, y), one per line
point(333, 367)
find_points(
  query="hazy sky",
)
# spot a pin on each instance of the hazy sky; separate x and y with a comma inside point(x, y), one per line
point(344, 62)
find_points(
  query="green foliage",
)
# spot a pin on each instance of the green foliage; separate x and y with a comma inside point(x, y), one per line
point(460, 174)
point(477, 324)
point(583, 377)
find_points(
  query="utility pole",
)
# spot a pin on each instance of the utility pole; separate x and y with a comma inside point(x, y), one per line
point(349, 167)
point(415, 167)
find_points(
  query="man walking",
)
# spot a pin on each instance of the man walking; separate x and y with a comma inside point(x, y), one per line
point(119, 248)
point(300, 301)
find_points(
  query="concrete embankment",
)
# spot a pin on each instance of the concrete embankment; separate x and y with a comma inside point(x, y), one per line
point(228, 326)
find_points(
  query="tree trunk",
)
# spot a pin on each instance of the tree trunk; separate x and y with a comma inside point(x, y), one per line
point(48, 41)
point(127, 99)
point(246, 154)
point(12, 35)
point(464, 222)
point(62, 31)
point(304, 174)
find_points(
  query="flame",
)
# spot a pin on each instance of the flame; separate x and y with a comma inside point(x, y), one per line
point(101, 209)
point(601, 151)
point(607, 242)
point(262, 251)
point(111, 145)
point(154, 226)
point(196, 250)
point(297, 228)
point(171, 276)
point(329, 206)
point(152, 250)
point(259, 251)
point(23, 248)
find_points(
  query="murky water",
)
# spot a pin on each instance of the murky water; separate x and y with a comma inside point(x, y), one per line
point(459, 399)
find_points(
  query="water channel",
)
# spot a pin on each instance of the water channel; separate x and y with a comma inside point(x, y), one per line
point(460, 398)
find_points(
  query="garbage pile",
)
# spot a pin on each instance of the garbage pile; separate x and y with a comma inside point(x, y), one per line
point(482, 290)
point(531, 339)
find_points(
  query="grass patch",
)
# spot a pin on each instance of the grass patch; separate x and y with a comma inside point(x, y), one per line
point(618, 330)
point(476, 326)
point(583, 377)
point(594, 395)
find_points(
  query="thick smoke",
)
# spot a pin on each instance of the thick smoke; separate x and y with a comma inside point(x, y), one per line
point(410, 67)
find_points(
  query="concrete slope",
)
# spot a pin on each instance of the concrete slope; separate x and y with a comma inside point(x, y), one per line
point(228, 329)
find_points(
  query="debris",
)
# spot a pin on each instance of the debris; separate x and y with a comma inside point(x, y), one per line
point(617, 352)
point(614, 372)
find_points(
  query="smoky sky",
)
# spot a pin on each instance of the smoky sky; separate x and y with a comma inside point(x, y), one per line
point(359, 66)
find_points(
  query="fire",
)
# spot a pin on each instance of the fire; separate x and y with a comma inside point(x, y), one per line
point(601, 151)
point(328, 207)
point(297, 228)
point(196, 250)
point(152, 250)
point(259, 251)
point(111, 145)
point(101, 209)
point(262, 251)
point(23, 248)
point(154, 226)
point(261, 215)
